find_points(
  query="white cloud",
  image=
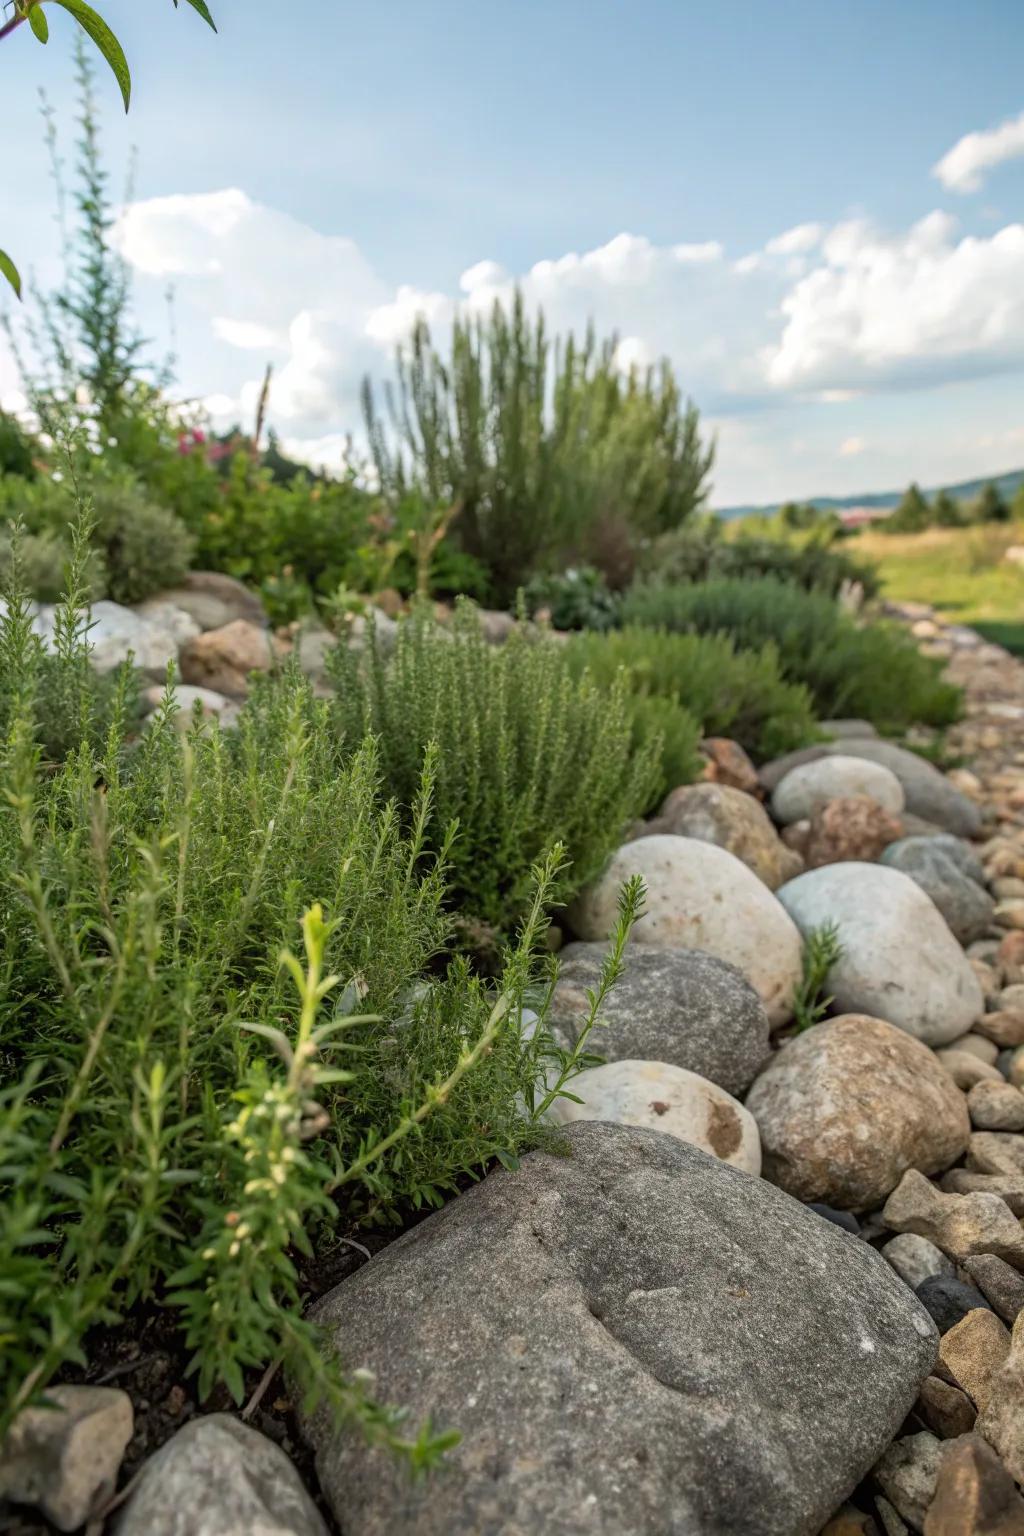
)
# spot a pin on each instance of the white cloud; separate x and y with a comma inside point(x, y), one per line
point(247, 335)
point(850, 447)
point(392, 323)
point(705, 250)
point(796, 241)
point(964, 167)
point(908, 310)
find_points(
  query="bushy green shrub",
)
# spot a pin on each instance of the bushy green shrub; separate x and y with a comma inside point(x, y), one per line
point(873, 671)
point(577, 599)
point(528, 753)
point(203, 1069)
point(701, 552)
point(136, 546)
point(540, 447)
point(723, 690)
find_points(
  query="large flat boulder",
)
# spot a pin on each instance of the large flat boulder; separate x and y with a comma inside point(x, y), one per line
point(631, 1336)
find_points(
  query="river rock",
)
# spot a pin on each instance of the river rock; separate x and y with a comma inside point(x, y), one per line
point(681, 1006)
point(907, 1473)
point(701, 897)
point(1001, 1421)
point(213, 706)
point(669, 1099)
point(996, 1107)
point(996, 1152)
point(966, 1067)
point(219, 1477)
point(973, 1352)
point(64, 1459)
point(949, 1300)
point(809, 787)
point(634, 1329)
point(223, 659)
point(947, 1410)
point(928, 794)
point(974, 1494)
point(958, 1224)
point(966, 906)
point(716, 813)
point(846, 1107)
point(1001, 1285)
point(851, 829)
point(117, 634)
point(1008, 1186)
point(915, 1259)
point(1005, 1027)
point(212, 600)
point(727, 763)
point(899, 962)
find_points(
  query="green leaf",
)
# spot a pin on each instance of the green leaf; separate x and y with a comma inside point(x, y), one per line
point(10, 271)
point(105, 41)
point(202, 8)
point(38, 22)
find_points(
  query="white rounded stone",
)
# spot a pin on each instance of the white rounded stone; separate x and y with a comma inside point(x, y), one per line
point(701, 897)
point(809, 788)
point(669, 1099)
point(899, 962)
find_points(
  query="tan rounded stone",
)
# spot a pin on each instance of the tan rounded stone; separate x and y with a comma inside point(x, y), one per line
point(845, 1108)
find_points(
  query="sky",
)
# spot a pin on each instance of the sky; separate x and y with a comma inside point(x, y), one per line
point(813, 208)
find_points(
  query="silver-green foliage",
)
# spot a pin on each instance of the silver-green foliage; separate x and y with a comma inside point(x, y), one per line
point(540, 446)
point(529, 753)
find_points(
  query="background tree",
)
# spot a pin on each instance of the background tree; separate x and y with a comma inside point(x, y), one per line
point(989, 506)
point(913, 513)
point(947, 512)
point(550, 452)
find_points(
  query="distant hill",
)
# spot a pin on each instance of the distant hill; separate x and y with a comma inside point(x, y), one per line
point(965, 490)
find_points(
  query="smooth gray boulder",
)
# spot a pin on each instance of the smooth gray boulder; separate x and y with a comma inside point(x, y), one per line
point(631, 1336)
point(929, 794)
point(681, 1006)
point(899, 962)
point(967, 907)
point(219, 1477)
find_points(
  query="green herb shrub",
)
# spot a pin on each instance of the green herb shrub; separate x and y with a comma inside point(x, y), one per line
point(577, 599)
point(809, 559)
point(227, 1028)
point(543, 449)
point(722, 691)
point(136, 546)
point(872, 671)
point(529, 753)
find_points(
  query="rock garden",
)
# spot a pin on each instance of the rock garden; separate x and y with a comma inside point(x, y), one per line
point(511, 996)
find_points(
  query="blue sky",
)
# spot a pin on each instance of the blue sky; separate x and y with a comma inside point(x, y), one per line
point(749, 188)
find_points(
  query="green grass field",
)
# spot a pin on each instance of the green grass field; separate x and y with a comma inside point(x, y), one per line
point(961, 571)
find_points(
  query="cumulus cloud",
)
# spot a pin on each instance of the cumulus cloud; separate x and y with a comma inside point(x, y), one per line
point(964, 167)
point(923, 307)
point(796, 241)
point(824, 315)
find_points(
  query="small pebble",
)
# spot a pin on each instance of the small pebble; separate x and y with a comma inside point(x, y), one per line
point(996, 1107)
point(915, 1259)
point(949, 1300)
point(845, 1219)
point(946, 1409)
point(1002, 1285)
